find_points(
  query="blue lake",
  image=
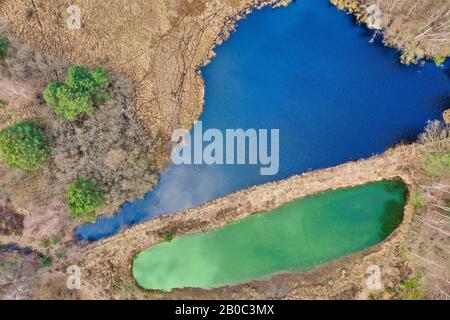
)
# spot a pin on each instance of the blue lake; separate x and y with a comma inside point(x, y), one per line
point(310, 72)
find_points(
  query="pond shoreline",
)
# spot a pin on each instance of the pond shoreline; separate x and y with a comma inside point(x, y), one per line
point(116, 253)
point(297, 237)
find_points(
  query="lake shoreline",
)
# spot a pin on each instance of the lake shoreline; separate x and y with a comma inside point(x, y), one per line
point(107, 263)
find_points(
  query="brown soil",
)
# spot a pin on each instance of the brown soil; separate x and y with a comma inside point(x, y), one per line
point(11, 223)
point(18, 273)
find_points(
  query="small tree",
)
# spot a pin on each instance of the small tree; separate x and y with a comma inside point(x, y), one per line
point(45, 262)
point(84, 197)
point(4, 47)
point(78, 93)
point(24, 145)
point(168, 237)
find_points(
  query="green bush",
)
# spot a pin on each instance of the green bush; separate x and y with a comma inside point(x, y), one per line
point(24, 145)
point(45, 262)
point(437, 165)
point(168, 237)
point(4, 47)
point(84, 197)
point(78, 93)
point(410, 287)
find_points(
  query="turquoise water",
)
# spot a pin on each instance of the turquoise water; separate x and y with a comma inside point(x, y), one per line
point(297, 236)
point(309, 71)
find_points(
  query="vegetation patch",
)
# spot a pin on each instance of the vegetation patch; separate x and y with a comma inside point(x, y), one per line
point(46, 262)
point(3, 104)
point(4, 48)
point(78, 93)
point(168, 237)
point(437, 165)
point(24, 145)
point(439, 61)
point(418, 201)
point(84, 197)
point(409, 288)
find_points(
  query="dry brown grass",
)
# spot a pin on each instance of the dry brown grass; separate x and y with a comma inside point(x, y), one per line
point(158, 44)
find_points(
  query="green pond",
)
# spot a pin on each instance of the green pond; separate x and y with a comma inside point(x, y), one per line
point(297, 236)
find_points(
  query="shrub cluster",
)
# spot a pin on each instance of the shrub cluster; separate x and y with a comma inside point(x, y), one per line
point(84, 197)
point(78, 92)
point(24, 145)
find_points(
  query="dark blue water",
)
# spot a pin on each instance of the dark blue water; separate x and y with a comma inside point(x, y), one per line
point(309, 71)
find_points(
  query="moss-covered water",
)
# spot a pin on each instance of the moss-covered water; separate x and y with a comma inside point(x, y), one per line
point(296, 236)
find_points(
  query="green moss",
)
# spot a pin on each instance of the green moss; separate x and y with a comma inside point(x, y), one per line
point(24, 145)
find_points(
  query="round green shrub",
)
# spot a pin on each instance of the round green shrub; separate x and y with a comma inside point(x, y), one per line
point(77, 94)
point(84, 197)
point(24, 145)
